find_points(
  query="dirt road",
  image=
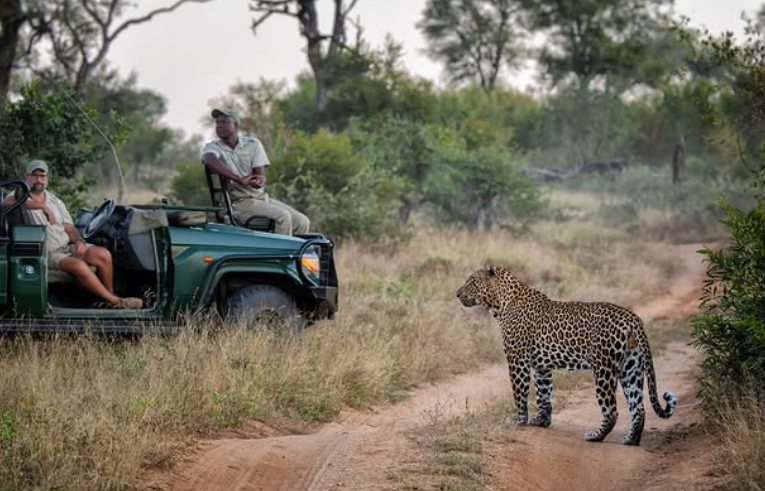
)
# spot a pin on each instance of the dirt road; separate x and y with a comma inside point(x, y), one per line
point(361, 450)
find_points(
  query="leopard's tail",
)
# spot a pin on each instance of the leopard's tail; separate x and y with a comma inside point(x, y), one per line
point(650, 374)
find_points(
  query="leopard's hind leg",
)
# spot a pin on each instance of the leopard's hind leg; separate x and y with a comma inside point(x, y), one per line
point(605, 390)
point(632, 382)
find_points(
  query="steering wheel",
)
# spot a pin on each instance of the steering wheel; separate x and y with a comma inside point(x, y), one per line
point(100, 217)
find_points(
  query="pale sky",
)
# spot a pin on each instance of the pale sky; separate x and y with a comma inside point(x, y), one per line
point(197, 52)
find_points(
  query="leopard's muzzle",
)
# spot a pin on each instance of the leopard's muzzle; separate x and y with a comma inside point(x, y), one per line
point(465, 299)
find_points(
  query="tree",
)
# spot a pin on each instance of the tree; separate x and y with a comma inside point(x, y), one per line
point(140, 112)
point(473, 38)
point(79, 34)
point(52, 128)
point(12, 18)
point(591, 40)
point(323, 50)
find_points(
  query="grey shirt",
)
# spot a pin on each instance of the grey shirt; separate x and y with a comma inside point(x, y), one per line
point(240, 160)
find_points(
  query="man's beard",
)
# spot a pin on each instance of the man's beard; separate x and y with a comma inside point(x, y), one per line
point(38, 188)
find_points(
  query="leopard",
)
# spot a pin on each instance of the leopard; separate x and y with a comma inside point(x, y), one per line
point(540, 335)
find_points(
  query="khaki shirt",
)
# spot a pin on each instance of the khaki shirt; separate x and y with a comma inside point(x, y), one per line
point(240, 160)
point(57, 238)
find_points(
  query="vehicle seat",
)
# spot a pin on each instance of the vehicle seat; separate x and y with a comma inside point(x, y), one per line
point(221, 198)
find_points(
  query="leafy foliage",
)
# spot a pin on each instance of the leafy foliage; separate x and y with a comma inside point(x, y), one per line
point(52, 128)
point(731, 331)
point(483, 187)
point(189, 186)
point(474, 39)
point(592, 39)
point(328, 158)
point(466, 182)
point(145, 139)
point(321, 175)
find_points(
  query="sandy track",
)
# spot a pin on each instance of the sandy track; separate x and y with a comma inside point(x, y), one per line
point(360, 451)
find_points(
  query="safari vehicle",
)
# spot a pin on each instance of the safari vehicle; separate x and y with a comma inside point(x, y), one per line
point(179, 259)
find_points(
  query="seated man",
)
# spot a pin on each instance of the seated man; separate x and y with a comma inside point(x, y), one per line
point(66, 250)
point(243, 161)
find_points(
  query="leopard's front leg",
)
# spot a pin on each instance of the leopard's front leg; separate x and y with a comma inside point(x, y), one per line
point(544, 385)
point(520, 373)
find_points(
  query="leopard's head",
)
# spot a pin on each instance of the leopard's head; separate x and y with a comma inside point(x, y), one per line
point(489, 286)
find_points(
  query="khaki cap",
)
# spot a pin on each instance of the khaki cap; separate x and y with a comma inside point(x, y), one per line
point(224, 112)
point(37, 164)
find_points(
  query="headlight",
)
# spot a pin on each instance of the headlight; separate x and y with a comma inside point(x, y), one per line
point(310, 263)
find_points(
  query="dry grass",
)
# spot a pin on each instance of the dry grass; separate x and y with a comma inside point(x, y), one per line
point(90, 414)
point(742, 444)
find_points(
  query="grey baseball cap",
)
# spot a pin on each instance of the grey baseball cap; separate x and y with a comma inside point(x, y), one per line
point(37, 164)
point(224, 112)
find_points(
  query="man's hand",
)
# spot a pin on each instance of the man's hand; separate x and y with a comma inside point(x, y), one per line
point(257, 181)
point(79, 249)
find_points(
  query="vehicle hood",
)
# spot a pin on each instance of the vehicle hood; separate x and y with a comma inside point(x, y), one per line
point(221, 236)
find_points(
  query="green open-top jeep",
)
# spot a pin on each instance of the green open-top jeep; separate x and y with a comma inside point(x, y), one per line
point(178, 259)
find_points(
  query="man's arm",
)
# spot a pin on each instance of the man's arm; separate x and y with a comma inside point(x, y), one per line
point(73, 233)
point(214, 163)
point(259, 176)
point(33, 204)
point(74, 238)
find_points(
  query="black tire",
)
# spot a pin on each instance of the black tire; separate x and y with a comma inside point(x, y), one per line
point(258, 306)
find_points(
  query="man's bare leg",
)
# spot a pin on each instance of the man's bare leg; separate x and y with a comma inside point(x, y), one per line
point(102, 260)
point(82, 273)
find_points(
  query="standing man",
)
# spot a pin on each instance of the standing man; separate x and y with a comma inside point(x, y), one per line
point(243, 161)
point(65, 248)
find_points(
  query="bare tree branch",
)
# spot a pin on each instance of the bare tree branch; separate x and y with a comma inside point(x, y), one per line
point(150, 15)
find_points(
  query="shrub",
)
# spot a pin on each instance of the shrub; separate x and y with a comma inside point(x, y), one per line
point(52, 128)
point(189, 186)
point(365, 208)
point(322, 176)
point(482, 187)
point(327, 157)
point(731, 329)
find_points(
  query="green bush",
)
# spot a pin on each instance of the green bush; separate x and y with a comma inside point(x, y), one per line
point(189, 186)
point(731, 329)
point(482, 187)
point(365, 208)
point(52, 128)
point(327, 157)
point(322, 176)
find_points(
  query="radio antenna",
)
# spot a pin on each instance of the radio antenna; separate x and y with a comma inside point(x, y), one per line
point(123, 188)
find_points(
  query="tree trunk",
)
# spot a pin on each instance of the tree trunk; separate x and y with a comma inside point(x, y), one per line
point(11, 18)
point(678, 162)
point(322, 90)
point(405, 212)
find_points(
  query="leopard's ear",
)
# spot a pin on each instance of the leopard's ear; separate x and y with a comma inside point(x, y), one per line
point(490, 271)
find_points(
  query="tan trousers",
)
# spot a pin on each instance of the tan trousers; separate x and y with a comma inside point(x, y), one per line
point(288, 220)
